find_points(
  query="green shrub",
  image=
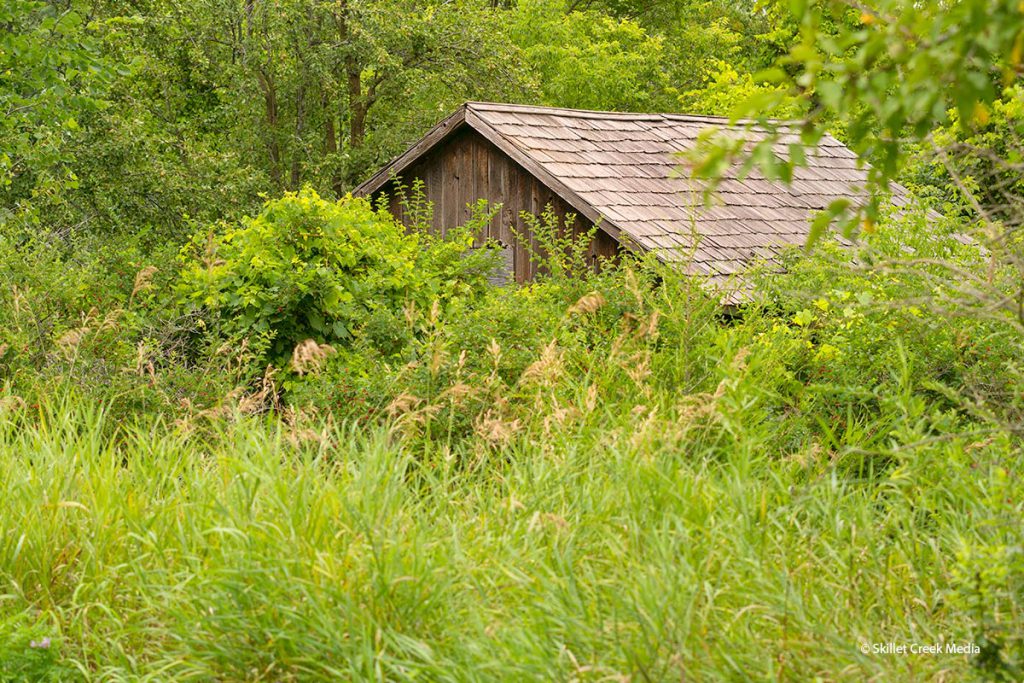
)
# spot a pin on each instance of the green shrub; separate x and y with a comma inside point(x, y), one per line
point(91, 320)
point(308, 268)
point(303, 268)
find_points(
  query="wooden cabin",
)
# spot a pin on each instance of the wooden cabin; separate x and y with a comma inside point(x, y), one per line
point(617, 171)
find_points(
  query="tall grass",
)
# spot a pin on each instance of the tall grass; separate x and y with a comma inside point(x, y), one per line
point(259, 553)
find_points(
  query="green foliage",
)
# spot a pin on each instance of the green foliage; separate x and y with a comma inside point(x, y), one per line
point(609, 480)
point(28, 654)
point(890, 72)
point(308, 268)
point(92, 139)
point(989, 574)
point(319, 92)
point(95, 320)
point(303, 268)
point(556, 248)
point(974, 170)
point(52, 74)
point(586, 60)
point(884, 340)
point(858, 443)
point(717, 48)
point(724, 88)
point(856, 358)
point(319, 446)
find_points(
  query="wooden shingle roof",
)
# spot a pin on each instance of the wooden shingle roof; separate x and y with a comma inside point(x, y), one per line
point(621, 171)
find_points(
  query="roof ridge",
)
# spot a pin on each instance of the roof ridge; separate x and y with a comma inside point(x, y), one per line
point(576, 113)
point(594, 113)
point(589, 114)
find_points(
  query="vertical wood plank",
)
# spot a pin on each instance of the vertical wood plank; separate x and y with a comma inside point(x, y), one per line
point(493, 193)
point(433, 188)
point(509, 200)
point(524, 188)
point(450, 215)
point(482, 177)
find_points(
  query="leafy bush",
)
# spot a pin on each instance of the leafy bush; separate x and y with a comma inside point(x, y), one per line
point(303, 268)
point(308, 268)
point(837, 357)
point(68, 315)
point(886, 320)
point(88, 320)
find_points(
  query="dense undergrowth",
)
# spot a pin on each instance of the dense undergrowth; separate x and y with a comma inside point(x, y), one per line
point(605, 477)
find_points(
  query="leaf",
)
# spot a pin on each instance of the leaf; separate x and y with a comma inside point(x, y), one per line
point(316, 321)
point(804, 318)
point(758, 104)
point(797, 157)
point(824, 219)
point(831, 93)
point(774, 75)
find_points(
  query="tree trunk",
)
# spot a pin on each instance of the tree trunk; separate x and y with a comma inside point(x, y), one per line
point(269, 90)
point(357, 106)
point(331, 143)
point(358, 103)
point(270, 111)
point(300, 125)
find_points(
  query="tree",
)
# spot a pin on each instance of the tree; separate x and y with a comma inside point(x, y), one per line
point(588, 60)
point(892, 72)
point(308, 77)
point(52, 73)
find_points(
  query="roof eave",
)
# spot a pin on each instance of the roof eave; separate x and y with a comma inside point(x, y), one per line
point(435, 136)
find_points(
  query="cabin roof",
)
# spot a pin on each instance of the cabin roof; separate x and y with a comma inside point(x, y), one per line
point(621, 171)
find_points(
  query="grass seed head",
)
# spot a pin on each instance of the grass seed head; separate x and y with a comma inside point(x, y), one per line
point(650, 328)
point(308, 357)
point(633, 285)
point(403, 404)
point(547, 369)
point(143, 281)
point(264, 398)
point(457, 392)
point(69, 342)
point(588, 303)
point(590, 403)
point(496, 431)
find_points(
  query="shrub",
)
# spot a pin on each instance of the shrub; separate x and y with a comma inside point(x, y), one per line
point(838, 358)
point(308, 268)
point(303, 268)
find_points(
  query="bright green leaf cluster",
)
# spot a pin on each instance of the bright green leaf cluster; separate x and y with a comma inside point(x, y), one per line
point(890, 72)
point(304, 268)
point(310, 268)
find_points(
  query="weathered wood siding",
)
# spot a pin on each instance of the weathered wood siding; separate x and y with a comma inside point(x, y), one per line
point(467, 168)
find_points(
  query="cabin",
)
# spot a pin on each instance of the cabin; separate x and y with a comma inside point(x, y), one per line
point(616, 171)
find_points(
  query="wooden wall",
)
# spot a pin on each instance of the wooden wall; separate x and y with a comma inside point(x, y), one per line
point(467, 168)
